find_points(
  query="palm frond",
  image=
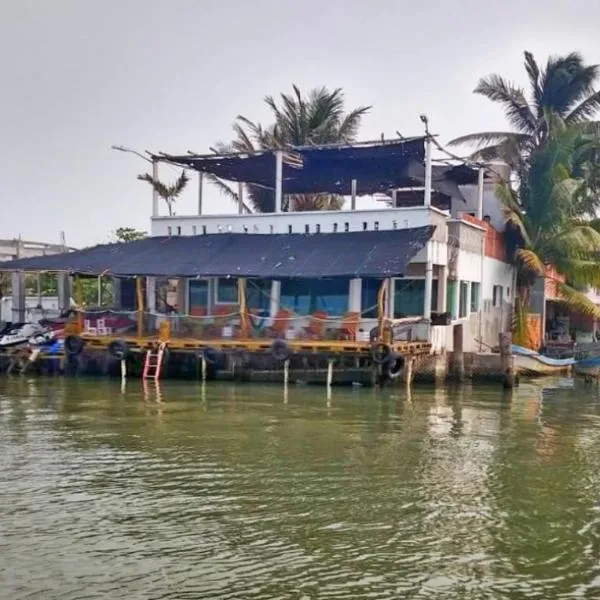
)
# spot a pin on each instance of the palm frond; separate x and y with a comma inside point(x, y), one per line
point(532, 261)
point(533, 71)
point(485, 138)
point(586, 109)
point(225, 190)
point(577, 301)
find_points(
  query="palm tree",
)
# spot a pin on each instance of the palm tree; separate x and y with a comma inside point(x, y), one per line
point(564, 88)
point(299, 120)
point(169, 193)
point(550, 223)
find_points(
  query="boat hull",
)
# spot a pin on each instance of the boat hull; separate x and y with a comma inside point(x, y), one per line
point(533, 367)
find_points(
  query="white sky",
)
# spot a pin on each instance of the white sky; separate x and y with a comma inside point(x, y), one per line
point(79, 76)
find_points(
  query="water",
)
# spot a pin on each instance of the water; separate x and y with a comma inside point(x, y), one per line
point(242, 493)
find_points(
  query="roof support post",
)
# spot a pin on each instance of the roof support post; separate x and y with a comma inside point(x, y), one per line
point(381, 312)
point(274, 300)
point(200, 190)
point(428, 283)
point(243, 308)
point(428, 172)
point(154, 192)
point(278, 180)
point(240, 198)
point(79, 302)
point(353, 197)
point(140, 306)
point(480, 175)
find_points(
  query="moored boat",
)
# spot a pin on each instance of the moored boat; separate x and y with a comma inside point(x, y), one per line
point(588, 367)
point(534, 364)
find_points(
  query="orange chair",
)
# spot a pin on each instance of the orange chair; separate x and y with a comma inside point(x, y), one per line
point(280, 324)
point(316, 325)
point(348, 326)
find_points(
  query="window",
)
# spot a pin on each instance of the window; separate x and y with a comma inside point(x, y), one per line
point(369, 291)
point(409, 297)
point(475, 296)
point(497, 295)
point(463, 299)
point(307, 228)
point(169, 231)
point(365, 226)
point(198, 297)
point(178, 229)
point(450, 297)
point(335, 228)
point(203, 229)
point(306, 296)
point(346, 227)
point(317, 228)
point(226, 292)
point(290, 230)
point(194, 230)
point(376, 225)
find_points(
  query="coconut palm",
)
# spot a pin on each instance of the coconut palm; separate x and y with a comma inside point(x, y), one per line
point(298, 120)
point(564, 88)
point(169, 193)
point(549, 223)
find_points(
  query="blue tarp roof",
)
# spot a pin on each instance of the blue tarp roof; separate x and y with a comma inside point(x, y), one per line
point(376, 166)
point(269, 256)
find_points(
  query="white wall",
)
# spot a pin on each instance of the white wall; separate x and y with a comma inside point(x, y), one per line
point(32, 313)
point(383, 219)
point(491, 204)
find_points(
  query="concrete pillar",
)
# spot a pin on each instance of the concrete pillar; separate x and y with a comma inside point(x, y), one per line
point(275, 298)
point(151, 294)
point(458, 358)
point(355, 295)
point(182, 296)
point(428, 283)
point(63, 281)
point(116, 281)
point(18, 296)
point(442, 289)
point(456, 296)
point(507, 359)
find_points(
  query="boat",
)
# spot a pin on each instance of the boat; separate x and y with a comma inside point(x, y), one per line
point(532, 363)
point(588, 367)
point(16, 334)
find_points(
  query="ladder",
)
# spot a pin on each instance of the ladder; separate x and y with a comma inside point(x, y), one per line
point(153, 362)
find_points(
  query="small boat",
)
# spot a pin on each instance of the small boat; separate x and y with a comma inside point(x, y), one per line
point(534, 364)
point(588, 367)
point(15, 334)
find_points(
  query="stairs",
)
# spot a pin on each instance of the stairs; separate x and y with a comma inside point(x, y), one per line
point(153, 362)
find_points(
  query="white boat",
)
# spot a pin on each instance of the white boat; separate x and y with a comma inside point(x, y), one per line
point(534, 364)
point(588, 367)
point(22, 333)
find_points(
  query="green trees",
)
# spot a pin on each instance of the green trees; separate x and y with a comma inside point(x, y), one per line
point(318, 117)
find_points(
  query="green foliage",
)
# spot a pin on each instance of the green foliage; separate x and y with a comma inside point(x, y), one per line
point(563, 90)
point(298, 120)
point(129, 234)
point(169, 193)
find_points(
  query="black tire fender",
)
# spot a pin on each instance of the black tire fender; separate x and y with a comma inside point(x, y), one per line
point(118, 349)
point(395, 365)
point(280, 350)
point(210, 355)
point(74, 345)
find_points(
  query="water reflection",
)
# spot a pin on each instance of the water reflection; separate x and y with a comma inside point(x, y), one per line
point(210, 491)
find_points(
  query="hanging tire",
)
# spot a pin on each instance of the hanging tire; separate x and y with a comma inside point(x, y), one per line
point(74, 345)
point(380, 353)
point(210, 355)
point(118, 349)
point(280, 350)
point(395, 365)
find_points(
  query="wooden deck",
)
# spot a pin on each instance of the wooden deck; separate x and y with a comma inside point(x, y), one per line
point(259, 345)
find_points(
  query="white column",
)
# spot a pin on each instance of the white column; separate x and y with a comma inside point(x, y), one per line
point(428, 172)
point(355, 295)
point(456, 299)
point(151, 294)
point(64, 291)
point(389, 297)
point(200, 190)
point(428, 283)
point(278, 180)
point(154, 192)
point(275, 298)
point(480, 193)
point(240, 198)
point(353, 195)
point(442, 289)
point(18, 296)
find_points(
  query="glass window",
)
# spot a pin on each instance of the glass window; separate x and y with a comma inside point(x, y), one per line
point(306, 296)
point(409, 297)
point(474, 296)
point(227, 290)
point(258, 294)
point(450, 297)
point(497, 295)
point(463, 299)
point(198, 297)
point(370, 289)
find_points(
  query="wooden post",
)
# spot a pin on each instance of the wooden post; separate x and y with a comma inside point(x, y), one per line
point(381, 308)
point(286, 372)
point(458, 357)
point(203, 369)
point(506, 359)
point(329, 373)
point(79, 300)
point(140, 306)
point(243, 308)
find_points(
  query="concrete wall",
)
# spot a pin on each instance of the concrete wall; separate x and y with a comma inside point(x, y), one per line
point(32, 312)
point(491, 205)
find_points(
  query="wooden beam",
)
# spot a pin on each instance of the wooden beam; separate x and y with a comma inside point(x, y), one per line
point(140, 306)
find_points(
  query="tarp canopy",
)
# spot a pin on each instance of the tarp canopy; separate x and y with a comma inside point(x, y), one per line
point(377, 167)
point(266, 256)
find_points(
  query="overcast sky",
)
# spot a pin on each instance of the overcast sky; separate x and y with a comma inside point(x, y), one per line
point(79, 76)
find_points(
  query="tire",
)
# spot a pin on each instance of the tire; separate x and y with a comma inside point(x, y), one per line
point(280, 350)
point(74, 345)
point(395, 365)
point(211, 355)
point(380, 353)
point(118, 349)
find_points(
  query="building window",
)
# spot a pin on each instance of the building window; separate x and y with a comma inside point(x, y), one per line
point(290, 230)
point(409, 297)
point(463, 299)
point(335, 228)
point(317, 228)
point(346, 227)
point(475, 296)
point(368, 297)
point(497, 295)
point(226, 290)
point(198, 297)
point(306, 296)
point(307, 228)
point(178, 229)
point(194, 230)
point(450, 299)
point(203, 229)
point(169, 231)
point(365, 225)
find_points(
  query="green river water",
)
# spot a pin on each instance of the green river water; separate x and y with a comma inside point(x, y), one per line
point(249, 493)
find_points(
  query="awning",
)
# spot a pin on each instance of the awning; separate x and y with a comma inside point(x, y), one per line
point(275, 256)
point(377, 167)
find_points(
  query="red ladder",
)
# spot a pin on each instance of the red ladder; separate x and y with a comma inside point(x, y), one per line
point(153, 362)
